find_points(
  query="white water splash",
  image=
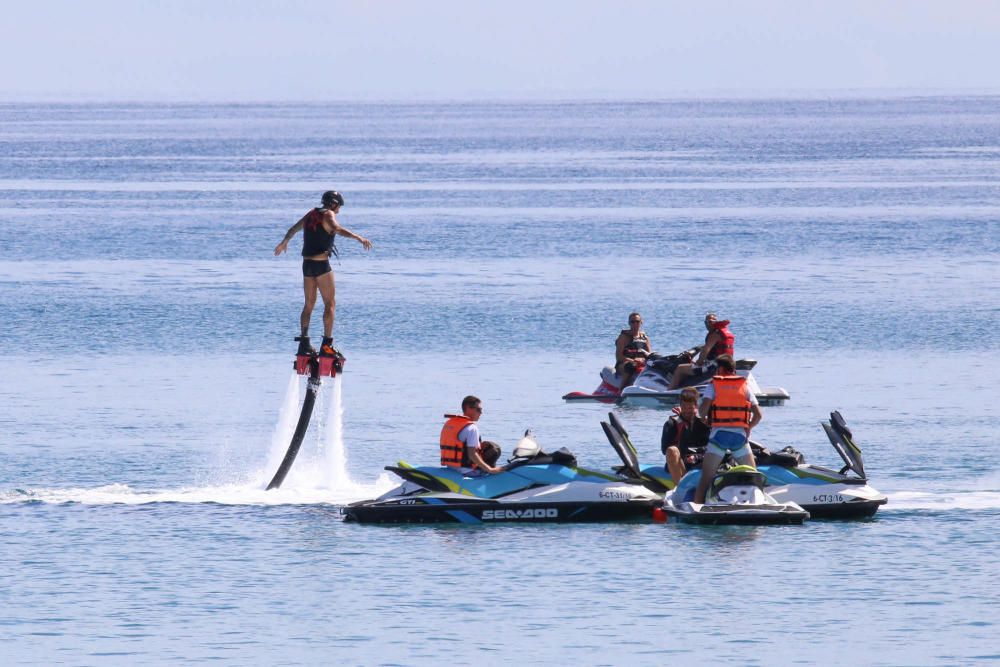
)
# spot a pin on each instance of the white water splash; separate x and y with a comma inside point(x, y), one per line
point(287, 419)
point(319, 475)
point(943, 500)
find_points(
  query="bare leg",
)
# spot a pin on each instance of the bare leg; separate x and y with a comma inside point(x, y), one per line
point(675, 465)
point(709, 466)
point(327, 290)
point(309, 289)
point(681, 373)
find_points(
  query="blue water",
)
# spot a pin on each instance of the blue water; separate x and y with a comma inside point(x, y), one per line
point(145, 389)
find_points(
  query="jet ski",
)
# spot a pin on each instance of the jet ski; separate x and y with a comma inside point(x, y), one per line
point(823, 492)
point(651, 386)
point(735, 496)
point(535, 487)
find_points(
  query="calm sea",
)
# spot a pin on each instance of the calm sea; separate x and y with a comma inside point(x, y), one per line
point(146, 393)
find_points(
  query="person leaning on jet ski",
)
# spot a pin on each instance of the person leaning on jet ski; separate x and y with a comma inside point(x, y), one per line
point(732, 411)
point(719, 340)
point(631, 346)
point(461, 445)
point(685, 435)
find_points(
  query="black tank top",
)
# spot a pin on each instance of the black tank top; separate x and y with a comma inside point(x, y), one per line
point(316, 239)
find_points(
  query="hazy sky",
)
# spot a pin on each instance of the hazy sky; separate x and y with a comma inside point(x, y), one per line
point(342, 49)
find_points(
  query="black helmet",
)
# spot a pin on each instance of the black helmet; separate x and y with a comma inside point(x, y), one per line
point(332, 198)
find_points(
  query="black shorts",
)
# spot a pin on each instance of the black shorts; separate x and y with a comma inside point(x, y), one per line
point(314, 268)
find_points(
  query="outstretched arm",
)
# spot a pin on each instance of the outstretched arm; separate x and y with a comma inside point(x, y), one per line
point(292, 231)
point(344, 231)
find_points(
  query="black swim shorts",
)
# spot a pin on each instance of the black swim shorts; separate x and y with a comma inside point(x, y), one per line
point(314, 268)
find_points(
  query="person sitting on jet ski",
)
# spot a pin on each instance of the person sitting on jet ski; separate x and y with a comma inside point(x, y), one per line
point(719, 340)
point(685, 436)
point(631, 347)
point(732, 411)
point(461, 445)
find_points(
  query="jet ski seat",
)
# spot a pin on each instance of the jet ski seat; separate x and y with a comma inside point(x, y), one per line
point(561, 456)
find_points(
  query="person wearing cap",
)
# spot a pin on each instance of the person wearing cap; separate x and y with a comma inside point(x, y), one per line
point(319, 230)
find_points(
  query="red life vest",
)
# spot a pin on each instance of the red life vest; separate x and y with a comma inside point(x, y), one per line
point(724, 346)
point(730, 406)
point(453, 450)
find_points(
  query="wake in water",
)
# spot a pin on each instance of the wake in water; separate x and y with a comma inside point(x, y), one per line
point(319, 475)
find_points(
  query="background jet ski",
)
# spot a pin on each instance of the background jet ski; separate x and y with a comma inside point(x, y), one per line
point(535, 487)
point(735, 496)
point(823, 492)
point(650, 388)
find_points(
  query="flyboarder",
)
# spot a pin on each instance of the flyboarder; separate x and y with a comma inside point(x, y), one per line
point(320, 229)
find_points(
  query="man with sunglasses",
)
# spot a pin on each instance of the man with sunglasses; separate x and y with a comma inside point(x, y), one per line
point(632, 347)
point(461, 444)
point(685, 436)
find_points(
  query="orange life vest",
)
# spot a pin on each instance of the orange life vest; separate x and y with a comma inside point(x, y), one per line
point(730, 406)
point(453, 450)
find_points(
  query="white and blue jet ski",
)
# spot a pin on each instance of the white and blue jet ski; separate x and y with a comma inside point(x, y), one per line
point(535, 487)
point(736, 496)
point(825, 493)
point(651, 387)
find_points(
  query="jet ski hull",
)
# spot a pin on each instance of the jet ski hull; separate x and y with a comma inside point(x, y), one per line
point(737, 515)
point(443, 509)
point(852, 499)
point(541, 490)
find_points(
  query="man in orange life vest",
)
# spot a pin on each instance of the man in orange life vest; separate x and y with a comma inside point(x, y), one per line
point(684, 435)
point(461, 445)
point(733, 411)
point(719, 340)
point(320, 229)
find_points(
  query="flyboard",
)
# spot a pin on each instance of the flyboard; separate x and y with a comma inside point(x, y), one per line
point(316, 366)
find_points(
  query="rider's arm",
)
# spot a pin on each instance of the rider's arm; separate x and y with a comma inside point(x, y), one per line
point(669, 435)
point(620, 349)
point(292, 231)
point(755, 412)
point(705, 407)
point(481, 464)
point(335, 227)
point(755, 416)
point(710, 342)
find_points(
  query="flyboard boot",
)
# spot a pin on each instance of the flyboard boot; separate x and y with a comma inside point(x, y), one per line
point(304, 355)
point(331, 361)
